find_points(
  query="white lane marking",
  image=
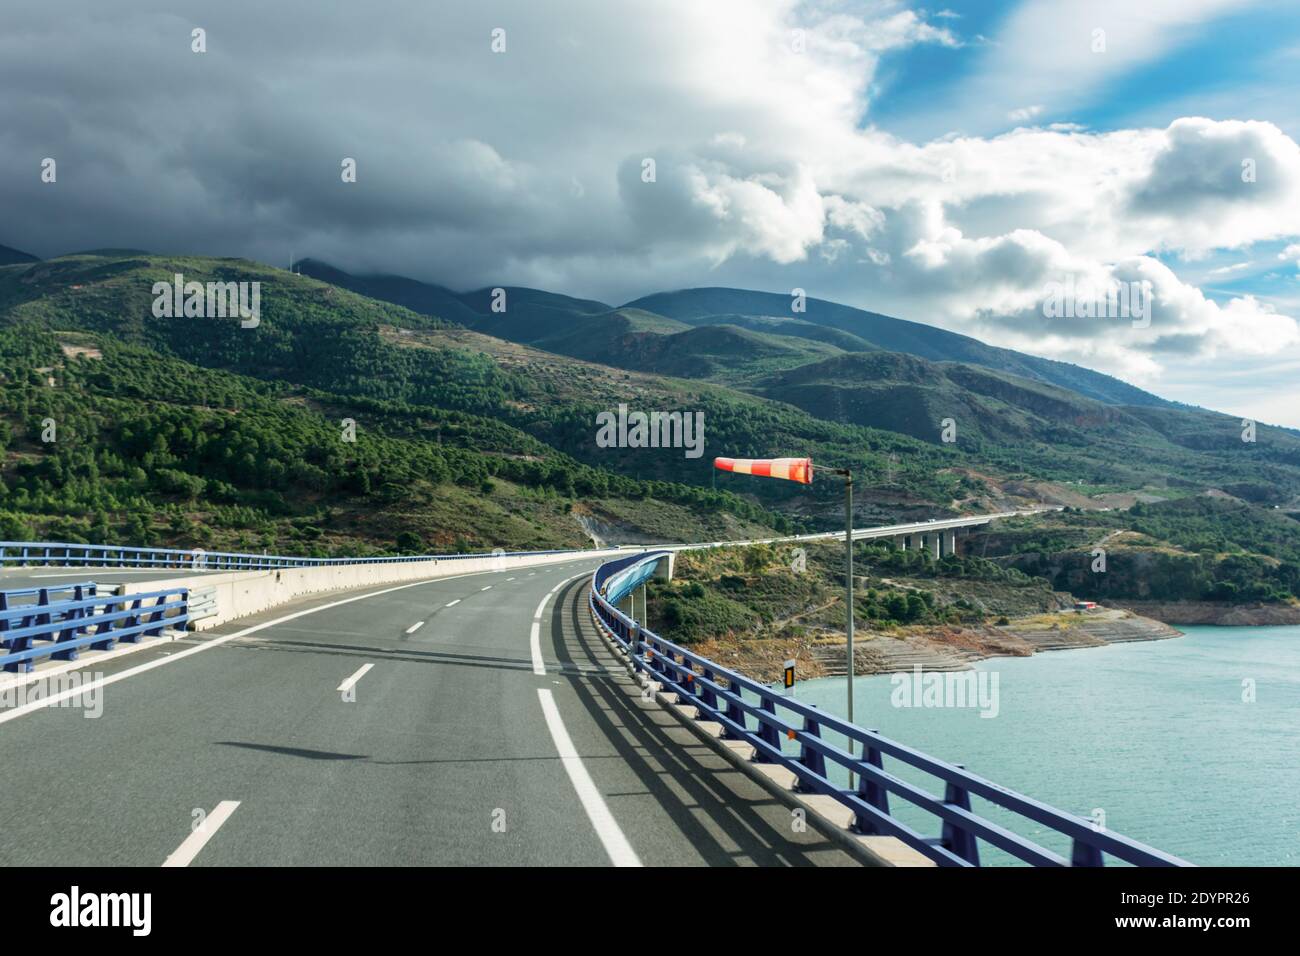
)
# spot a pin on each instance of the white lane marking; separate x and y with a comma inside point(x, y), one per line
point(415, 627)
point(532, 574)
point(196, 841)
point(352, 681)
point(615, 843)
point(488, 588)
point(96, 657)
point(454, 603)
point(535, 634)
point(43, 702)
point(535, 648)
point(508, 580)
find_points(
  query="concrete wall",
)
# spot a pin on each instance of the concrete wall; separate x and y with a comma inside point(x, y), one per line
point(240, 593)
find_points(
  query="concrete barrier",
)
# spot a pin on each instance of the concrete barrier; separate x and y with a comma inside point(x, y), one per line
point(241, 593)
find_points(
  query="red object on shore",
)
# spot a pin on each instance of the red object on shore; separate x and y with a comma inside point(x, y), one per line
point(789, 469)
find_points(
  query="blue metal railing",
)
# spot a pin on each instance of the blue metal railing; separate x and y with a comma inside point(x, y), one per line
point(59, 627)
point(762, 717)
point(58, 554)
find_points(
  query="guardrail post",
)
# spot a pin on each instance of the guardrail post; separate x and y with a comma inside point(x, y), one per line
point(687, 680)
point(707, 697)
point(809, 756)
point(156, 617)
point(735, 712)
point(106, 629)
point(634, 647)
point(957, 839)
point(42, 600)
point(1085, 854)
point(767, 732)
point(872, 793)
point(132, 620)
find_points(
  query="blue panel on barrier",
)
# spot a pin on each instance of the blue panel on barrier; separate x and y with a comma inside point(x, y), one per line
point(59, 627)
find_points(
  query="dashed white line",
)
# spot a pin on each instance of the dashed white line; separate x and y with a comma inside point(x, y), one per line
point(508, 580)
point(488, 588)
point(415, 627)
point(454, 603)
point(196, 841)
point(352, 681)
point(607, 828)
point(14, 713)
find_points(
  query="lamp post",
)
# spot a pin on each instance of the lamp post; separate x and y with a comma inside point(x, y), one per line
point(801, 470)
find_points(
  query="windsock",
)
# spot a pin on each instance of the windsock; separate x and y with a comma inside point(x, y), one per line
point(791, 469)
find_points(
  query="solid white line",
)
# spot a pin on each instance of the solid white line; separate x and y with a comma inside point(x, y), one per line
point(415, 627)
point(535, 634)
point(454, 603)
point(196, 841)
point(43, 702)
point(352, 681)
point(535, 648)
point(615, 843)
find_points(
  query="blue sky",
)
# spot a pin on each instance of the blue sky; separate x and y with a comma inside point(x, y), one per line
point(1230, 62)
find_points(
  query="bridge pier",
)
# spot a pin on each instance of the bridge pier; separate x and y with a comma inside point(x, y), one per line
point(934, 545)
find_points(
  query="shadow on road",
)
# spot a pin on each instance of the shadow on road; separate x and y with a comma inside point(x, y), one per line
point(727, 817)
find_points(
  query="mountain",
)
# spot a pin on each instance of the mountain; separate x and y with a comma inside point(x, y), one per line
point(533, 316)
point(419, 297)
point(12, 256)
point(700, 306)
point(1019, 422)
point(469, 437)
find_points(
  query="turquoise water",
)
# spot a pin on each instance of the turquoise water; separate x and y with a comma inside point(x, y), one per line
point(1154, 734)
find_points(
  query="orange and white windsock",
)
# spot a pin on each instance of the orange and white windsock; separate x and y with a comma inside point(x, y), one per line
point(791, 469)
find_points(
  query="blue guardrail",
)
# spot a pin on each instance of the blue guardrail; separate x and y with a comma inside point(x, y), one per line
point(58, 622)
point(770, 722)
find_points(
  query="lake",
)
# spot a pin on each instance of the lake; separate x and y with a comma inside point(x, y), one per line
point(1157, 735)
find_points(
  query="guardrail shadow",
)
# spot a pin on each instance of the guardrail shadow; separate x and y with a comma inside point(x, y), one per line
point(728, 818)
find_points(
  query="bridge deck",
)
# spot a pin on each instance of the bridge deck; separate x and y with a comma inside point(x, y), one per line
point(446, 736)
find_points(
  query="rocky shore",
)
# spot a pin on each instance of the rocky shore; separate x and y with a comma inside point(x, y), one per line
point(937, 648)
point(1211, 612)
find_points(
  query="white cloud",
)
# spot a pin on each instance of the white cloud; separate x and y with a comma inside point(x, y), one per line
point(525, 167)
point(1024, 113)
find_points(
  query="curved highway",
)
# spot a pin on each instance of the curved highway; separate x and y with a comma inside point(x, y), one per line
point(424, 723)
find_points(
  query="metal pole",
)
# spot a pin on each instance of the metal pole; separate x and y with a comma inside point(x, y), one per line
point(848, 577)
point(848, 594)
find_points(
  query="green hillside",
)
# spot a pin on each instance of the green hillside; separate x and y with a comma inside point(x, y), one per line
point(198, 431)
point(699, 306)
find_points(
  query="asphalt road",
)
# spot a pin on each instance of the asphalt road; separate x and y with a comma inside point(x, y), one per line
point(448, 748)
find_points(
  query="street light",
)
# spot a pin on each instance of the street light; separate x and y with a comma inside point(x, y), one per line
point(801, 470)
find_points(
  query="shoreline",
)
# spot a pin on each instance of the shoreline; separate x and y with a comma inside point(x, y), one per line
point(1214, 613)
point(936, 649)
